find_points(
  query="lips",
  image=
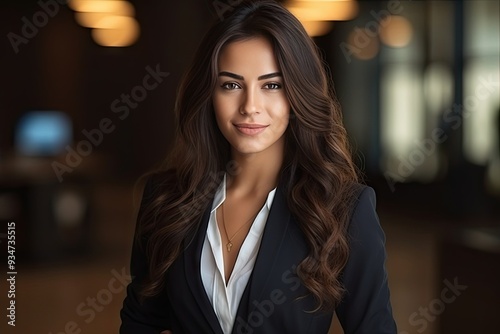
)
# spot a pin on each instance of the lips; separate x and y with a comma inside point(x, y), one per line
point(250, 128)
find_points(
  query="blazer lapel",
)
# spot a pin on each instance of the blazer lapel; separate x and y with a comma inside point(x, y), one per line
point(272, 239)
point(192, 259)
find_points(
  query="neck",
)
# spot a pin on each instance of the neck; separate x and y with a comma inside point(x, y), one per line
point(256, 173)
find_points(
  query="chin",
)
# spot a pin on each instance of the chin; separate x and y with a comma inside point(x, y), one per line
point(248, 149)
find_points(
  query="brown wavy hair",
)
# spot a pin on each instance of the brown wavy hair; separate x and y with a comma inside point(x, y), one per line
point(318, 174)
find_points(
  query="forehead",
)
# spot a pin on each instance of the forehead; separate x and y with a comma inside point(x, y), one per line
point(252, 56)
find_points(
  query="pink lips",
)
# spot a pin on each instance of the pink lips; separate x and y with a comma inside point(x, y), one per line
point(250, 128)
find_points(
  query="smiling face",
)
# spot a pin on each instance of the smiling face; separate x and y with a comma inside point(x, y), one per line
point(249, 100)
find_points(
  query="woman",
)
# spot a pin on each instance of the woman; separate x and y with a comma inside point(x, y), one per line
point(259, 224)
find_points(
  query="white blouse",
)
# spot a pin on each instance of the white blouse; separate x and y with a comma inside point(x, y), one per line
point(225, 298)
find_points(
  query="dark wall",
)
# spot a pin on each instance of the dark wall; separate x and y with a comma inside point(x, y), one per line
point(60, 67)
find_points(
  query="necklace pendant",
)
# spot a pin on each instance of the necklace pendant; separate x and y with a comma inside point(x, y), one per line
point(229, 245)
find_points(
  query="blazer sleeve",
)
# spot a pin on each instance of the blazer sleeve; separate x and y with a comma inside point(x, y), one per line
point(366, 306)
point(152, 315)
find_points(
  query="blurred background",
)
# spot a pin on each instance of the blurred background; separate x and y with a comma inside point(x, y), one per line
point(87, 92)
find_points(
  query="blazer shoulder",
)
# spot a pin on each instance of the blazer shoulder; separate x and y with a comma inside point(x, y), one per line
point(364, 206)
point(365, 232)
point(366, 306)
point(364, 194)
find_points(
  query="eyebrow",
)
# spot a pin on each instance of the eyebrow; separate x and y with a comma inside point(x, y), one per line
point(240, 77)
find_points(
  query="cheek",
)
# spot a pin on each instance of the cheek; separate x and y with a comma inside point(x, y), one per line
point(223, 116)
point(218, 108)
point(222, 107)
point(282, 115)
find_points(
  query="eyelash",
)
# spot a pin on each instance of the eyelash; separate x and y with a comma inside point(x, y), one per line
point(278, 85)
point(226, 85)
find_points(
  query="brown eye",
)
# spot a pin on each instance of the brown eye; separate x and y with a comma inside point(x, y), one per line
point(272, 86)
point(230, 86)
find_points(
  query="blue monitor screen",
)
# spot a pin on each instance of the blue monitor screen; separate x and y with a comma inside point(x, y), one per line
point(43, 133)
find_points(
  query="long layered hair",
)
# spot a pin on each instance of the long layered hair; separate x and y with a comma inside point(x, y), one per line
point(318, 174)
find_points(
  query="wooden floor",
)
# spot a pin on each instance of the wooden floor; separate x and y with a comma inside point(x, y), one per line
point(85, 296)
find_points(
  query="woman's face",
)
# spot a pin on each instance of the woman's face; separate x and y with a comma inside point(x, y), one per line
point(250, 105)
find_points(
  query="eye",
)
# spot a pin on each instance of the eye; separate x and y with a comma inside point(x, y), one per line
point(230, 86)
point(272, 86)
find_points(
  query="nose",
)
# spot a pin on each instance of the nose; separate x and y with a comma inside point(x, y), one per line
point(251, 103)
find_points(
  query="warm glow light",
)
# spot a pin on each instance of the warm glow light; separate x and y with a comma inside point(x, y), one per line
point(90, 20)
point(395, 31)
point(363, 44)
point(123, 35)
point(117, 7)
point(333, 10)
point(317, 28)
point(106, 21)
point(112, 21)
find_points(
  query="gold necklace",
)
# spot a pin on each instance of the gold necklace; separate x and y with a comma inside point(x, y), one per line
point(229, 243)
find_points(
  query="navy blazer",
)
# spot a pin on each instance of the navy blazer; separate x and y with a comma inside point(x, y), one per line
point(274, 300)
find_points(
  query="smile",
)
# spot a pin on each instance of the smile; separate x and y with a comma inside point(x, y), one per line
point(250, 129)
